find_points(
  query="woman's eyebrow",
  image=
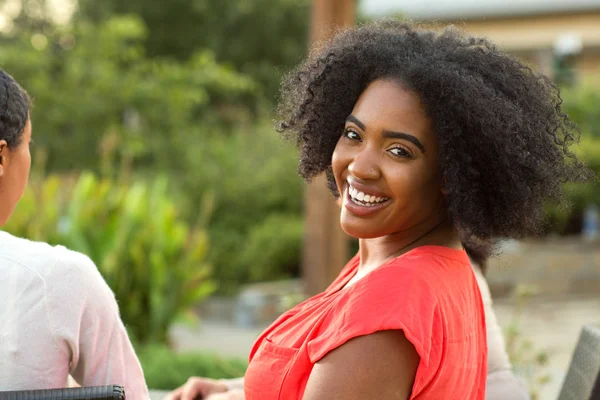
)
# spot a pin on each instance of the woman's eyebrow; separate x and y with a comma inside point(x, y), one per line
point(354, 120)
point(405, 136)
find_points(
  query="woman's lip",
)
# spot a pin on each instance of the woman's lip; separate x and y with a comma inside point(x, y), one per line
point(358, 210)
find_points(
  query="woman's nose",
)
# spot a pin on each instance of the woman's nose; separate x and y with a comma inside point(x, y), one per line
point(365, 165)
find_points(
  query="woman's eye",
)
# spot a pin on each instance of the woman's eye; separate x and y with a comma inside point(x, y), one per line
point(400, 152)
point(352, 135)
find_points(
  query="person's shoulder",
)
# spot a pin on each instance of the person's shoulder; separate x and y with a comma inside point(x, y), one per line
point(31, 254)
point(75, 268)
point(49, 262)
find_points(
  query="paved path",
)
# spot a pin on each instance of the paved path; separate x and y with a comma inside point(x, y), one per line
point(553, 326)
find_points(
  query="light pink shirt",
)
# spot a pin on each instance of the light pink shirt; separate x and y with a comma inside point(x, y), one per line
point(58, 317)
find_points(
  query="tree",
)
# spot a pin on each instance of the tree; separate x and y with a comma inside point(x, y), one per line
point(262, 38)
point(95, 91)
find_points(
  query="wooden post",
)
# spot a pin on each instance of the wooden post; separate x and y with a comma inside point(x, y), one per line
point(329, 15)
point(325, 243)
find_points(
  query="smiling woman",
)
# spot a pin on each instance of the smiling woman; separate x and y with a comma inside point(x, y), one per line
point(436, 143)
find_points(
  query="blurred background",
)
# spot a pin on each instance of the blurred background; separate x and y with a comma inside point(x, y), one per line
point(156, 156)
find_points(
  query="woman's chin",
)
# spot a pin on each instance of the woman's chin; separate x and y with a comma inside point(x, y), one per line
point(360, 231)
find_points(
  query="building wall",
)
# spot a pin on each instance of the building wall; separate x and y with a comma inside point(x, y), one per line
point(532, 38)
point(535, 32)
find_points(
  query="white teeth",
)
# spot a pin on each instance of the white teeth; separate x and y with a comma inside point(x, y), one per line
point(364, 199)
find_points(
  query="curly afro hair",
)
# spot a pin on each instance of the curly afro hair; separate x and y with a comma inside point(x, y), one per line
point(14, 110)
point(504, 140)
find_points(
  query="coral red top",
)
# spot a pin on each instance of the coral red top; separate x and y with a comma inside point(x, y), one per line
point(429, 292)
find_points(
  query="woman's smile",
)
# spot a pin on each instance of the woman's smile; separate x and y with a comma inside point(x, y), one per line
point(363, 203)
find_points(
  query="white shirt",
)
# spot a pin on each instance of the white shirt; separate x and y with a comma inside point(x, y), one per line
point(59, 317)
point(502, 384)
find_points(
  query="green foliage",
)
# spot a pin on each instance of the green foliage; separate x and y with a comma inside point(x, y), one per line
point(152, 259)
point(272, 248)
point(260, 38)
point(94, 91)
point(166, 370)
point(583, 106)
point(255, 227)
point(578, 195)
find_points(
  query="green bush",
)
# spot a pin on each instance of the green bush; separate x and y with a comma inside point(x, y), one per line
point(272, 248)
point(583, 106)
point(567, 218)
point(95, 91)
point(256, 225)
point(166, 370)
point(152, 259)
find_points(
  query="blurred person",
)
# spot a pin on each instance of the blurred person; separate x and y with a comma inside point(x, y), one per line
point(436, 142)
point(502, 384)
point(59, 317)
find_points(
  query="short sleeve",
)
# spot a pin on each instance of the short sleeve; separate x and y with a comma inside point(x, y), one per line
point(395, 296)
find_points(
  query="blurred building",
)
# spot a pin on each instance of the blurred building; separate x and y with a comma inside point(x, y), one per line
point(561, 38)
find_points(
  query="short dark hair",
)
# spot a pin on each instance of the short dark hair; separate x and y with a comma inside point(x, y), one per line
point(504, 139)
point(14, 110)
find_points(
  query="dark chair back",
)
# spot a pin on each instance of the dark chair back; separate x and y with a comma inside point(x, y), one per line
point(582, 381)
point(111, 392)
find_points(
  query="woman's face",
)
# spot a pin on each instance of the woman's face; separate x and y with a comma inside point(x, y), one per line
point(15, 164)
point(386, 164)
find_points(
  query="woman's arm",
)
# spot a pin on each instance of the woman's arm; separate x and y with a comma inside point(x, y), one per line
point(381, 366)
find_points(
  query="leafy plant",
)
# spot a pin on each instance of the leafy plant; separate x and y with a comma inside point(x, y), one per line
point(256, 226)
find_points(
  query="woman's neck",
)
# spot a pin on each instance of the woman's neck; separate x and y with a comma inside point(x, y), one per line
point(376, 251)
